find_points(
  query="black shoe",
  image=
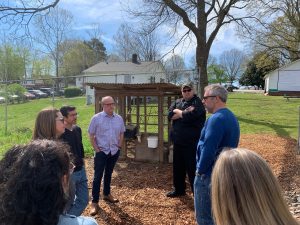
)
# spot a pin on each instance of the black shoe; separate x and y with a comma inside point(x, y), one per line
point(174, 194)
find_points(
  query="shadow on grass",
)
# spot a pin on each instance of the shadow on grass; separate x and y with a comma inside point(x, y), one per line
point(279, 129)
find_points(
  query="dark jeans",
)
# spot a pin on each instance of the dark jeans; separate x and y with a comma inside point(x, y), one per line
point(103, 164)
point(184, 162)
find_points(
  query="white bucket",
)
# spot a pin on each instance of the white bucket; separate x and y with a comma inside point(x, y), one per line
point(152, 141)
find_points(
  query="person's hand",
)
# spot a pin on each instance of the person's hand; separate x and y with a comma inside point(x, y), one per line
point(97, 149)
point(177, 114)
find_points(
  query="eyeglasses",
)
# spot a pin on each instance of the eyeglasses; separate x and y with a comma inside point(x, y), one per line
point(61, 119)
point(71, 167)
point(109, 104)
point(186, 90)
point(73, 114)
point(209, 96)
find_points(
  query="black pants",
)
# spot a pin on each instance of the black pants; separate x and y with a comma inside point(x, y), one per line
point(184, 162)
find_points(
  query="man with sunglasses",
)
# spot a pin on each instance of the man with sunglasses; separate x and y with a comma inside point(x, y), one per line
point(188, 116)
point(221, 130)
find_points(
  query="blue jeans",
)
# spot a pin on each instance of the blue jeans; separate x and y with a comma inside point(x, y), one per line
point(202, 200)
point(79, 193)
point(103, 164)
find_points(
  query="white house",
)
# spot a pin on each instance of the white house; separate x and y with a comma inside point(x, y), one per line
point(133, 72)
point(285, 80)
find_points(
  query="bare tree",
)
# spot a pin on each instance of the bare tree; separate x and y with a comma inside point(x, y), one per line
point(232, 62)
point(277, 29)
point(174, 67)
point(21, 12)
point(202, 18)
point(140, 41)
point(51, 32)
point(123, 44)
point(146, 44)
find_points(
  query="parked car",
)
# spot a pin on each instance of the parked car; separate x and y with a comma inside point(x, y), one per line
point(244, 88)
point(38, 93)
point(2, 99)
point(48, 91)
point(29, 96)
point(231, 87)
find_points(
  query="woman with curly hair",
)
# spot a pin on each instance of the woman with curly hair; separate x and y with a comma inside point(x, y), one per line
point(246, 192)
point(49, 124)
point(34, 185)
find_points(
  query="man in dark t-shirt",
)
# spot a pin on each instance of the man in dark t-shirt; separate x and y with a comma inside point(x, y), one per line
point(79, 187)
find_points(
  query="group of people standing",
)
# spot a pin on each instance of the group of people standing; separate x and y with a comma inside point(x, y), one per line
point(230, 186)
point(45, 182)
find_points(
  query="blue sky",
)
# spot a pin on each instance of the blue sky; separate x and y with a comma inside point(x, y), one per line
point(109, 15)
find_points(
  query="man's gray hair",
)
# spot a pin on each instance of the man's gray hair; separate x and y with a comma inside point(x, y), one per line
point(217, 90)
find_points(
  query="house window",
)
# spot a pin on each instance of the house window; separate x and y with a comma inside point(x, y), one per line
point(152, 79)
point(127, 79)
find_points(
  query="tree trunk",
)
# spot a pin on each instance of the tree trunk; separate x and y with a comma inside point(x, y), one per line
point(201, 60)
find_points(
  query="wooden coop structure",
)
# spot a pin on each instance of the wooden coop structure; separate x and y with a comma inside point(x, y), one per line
point(144, 108)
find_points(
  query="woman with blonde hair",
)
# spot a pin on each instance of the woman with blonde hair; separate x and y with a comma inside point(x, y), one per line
point(246, 192)
point(49, 124)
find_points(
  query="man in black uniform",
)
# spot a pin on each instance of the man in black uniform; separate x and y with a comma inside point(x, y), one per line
point(188, 116)
point(79, 188)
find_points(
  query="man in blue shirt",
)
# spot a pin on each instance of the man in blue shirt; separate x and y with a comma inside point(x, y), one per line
point(106, 132)
point(221, 130)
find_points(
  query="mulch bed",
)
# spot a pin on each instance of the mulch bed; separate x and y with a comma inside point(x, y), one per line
point(141, 187)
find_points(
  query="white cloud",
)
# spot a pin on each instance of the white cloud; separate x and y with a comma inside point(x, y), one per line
point(109, 15)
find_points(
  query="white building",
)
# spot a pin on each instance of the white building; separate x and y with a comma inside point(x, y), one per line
point(133, 72)
point(285, 80)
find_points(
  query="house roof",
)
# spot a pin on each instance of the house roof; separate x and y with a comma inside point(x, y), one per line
point(281, 68)
point(125, 68)
point(165, 87)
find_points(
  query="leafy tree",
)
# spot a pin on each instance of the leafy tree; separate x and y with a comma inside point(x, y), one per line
point(77, 58)
point(257, 68)
point(276, 30)
point(216, 74)
point(16, 89)
point(98, 48)
point(11, 64)
point(252, 75)
point(41, 68)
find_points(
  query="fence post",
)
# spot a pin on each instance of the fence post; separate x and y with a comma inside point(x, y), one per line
point(298, 142)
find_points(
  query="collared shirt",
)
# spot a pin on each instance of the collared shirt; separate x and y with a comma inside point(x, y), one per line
point(107, 130)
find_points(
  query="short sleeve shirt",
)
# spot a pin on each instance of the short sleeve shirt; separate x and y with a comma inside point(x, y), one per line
point(107, 130)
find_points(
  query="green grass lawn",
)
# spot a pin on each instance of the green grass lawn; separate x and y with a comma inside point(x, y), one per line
point(266, 114)
point(256, 113)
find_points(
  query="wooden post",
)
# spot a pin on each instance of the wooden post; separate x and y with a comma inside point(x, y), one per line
point(298, 145)
point(160, 129)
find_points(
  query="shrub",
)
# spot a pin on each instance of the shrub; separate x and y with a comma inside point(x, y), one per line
point(72, 92)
